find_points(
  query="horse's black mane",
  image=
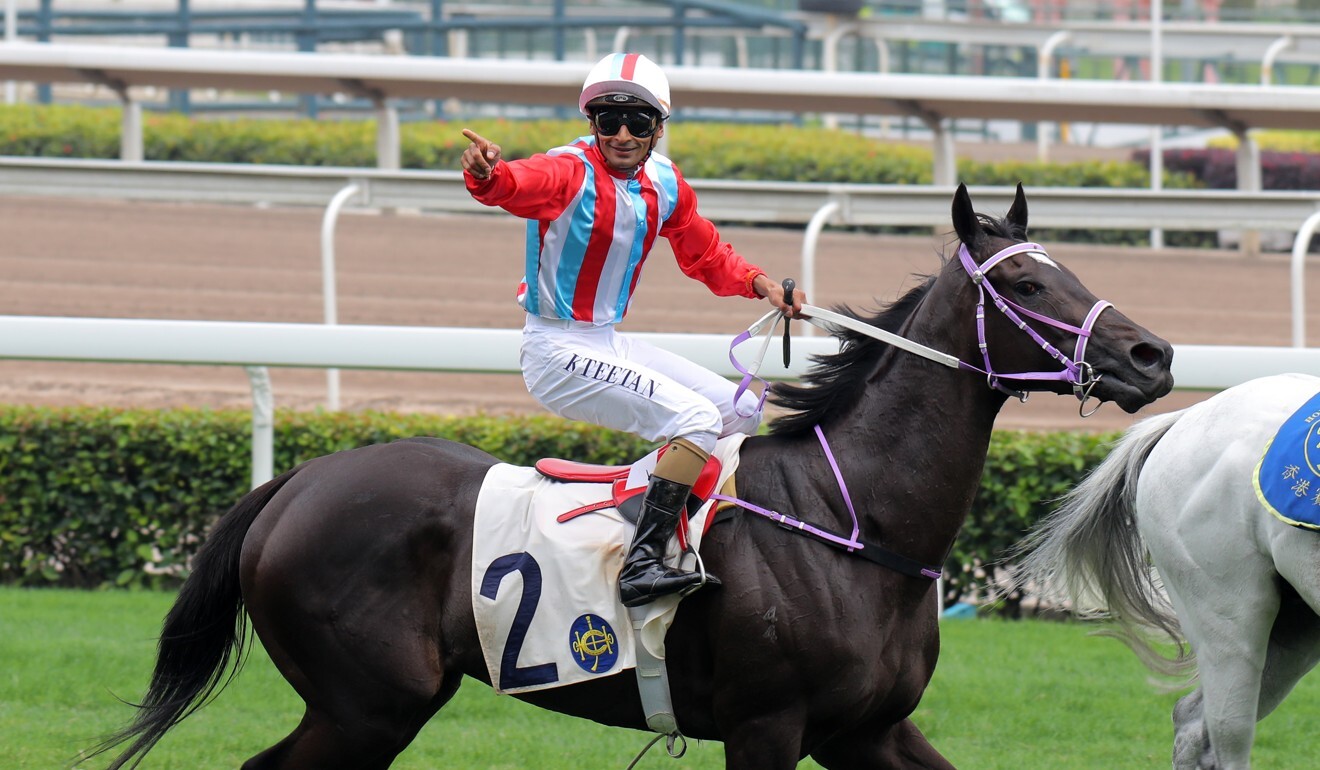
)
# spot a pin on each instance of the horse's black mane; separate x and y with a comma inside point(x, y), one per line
point(834, 383)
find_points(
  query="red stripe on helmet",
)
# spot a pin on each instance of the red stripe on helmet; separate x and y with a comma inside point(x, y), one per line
point(629, 66)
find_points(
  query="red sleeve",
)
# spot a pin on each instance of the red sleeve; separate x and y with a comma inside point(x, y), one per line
point(539, 187)
point(700, 252)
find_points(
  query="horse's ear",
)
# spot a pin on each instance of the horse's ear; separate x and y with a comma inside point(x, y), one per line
point(965, 223)
point(1017, 213)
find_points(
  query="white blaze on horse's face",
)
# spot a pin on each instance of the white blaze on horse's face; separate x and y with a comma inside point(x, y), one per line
point(1044, 259)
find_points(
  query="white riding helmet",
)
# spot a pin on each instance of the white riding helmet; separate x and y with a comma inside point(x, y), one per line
point(625, 75)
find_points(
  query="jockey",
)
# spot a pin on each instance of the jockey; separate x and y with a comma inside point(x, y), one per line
point(594, 208)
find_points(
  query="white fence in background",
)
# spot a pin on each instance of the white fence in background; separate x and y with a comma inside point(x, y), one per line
point(812, 205)
point(114, 340)
point(255, 345)
point(934, 100)
point(789, 203)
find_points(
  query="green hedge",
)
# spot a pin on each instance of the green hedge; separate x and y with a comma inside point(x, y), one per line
point(1023, 473)
point(702, 150)
point(99, 497)
point(92, 497)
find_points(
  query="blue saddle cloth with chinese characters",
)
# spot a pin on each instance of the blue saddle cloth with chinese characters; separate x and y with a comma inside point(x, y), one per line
point(1288, 476)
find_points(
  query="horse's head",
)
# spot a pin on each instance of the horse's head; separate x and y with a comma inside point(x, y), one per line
point(1043, 329)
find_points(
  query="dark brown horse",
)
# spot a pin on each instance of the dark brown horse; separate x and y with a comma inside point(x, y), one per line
point(354, 567)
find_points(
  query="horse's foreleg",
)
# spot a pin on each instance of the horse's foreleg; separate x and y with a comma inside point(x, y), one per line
point(892, 747)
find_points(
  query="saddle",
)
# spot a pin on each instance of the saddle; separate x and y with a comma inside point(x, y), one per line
point(627, 499)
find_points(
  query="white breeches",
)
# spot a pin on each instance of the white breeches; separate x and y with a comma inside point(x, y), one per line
point(595, 374)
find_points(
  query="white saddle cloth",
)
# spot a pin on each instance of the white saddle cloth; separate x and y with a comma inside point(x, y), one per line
point(546, 594)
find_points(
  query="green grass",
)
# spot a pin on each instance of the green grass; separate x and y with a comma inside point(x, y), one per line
point(1006, 695)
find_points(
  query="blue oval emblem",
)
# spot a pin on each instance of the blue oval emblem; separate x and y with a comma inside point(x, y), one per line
point(593, 644)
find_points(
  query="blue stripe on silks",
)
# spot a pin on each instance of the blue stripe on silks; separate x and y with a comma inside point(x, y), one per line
point(667, 180)
point(574, 250)
point(532, 268)
point(635, 255)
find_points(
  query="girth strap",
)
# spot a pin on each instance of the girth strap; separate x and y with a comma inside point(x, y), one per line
point(876, 554)
point(895, 561)
point(851, 543)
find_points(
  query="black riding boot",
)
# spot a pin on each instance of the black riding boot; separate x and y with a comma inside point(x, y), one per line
point(645, 577)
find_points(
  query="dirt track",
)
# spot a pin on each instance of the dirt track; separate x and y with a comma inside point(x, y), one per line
point(134, 260)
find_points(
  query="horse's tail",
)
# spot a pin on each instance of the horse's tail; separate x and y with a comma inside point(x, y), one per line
point(204, 631)
point(1090, 553)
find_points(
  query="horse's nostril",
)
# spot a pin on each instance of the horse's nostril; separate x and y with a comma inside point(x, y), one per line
point(1147, 356)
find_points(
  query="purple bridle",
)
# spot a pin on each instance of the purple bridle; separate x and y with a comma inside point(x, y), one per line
point(1076, 371)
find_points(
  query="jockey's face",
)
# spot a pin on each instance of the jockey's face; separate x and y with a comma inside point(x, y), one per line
point(625, 152)
point(622, 150)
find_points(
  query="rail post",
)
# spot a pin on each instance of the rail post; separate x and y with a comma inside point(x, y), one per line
point(328, 289)
point(11, 34)
point(1301, 244)
point(263, 425)
point(808, 277)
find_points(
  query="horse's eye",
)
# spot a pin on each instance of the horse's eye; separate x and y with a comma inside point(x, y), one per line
point(1026, 288)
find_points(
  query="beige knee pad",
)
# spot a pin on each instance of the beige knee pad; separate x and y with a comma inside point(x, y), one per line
point(681, 463)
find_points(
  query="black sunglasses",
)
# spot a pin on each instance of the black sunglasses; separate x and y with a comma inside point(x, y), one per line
point(640, 123)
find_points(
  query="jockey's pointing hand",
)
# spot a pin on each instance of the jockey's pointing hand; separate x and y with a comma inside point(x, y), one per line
point(481, 156)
